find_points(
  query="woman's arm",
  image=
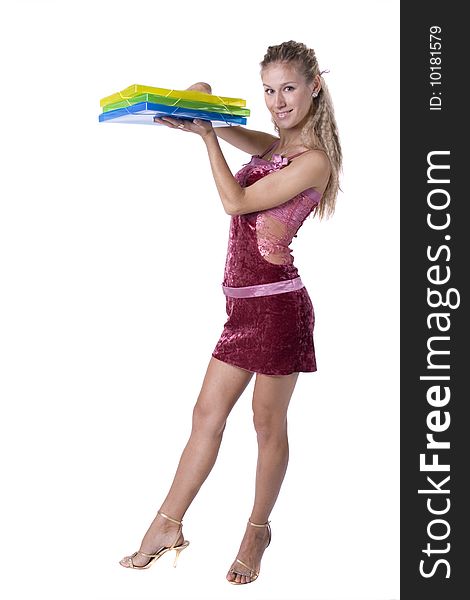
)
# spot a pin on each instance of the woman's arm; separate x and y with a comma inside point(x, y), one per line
point(247, 140)
point(307, 171)
point(250, 141)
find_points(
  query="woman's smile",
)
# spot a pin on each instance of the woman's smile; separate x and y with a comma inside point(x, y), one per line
point(284, 114)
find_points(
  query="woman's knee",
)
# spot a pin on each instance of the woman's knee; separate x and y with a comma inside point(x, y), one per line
point(208, 420)
point(270, 427)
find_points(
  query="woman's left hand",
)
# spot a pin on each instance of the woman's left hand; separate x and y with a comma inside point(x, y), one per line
point(198, 126)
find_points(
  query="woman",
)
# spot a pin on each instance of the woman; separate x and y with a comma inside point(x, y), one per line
point(270, 326)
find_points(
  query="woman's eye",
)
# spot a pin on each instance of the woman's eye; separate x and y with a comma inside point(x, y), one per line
point(288, 87)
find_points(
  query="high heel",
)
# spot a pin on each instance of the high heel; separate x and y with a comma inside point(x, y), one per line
point(163, 550)
point(253, 574)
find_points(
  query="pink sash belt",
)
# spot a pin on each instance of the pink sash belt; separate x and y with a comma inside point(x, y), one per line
point(264, 289)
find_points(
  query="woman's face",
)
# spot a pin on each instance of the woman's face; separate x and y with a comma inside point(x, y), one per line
point(287, 94)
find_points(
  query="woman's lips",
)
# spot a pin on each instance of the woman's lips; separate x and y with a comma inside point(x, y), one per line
point(283, 115)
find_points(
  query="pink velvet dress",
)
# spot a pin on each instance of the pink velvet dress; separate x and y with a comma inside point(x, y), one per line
point(270, 334)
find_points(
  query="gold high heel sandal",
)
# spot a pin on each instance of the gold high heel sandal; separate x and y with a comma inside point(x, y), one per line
point(253, 574)
point(162, 551)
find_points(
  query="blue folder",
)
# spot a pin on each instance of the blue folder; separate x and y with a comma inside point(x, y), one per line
point(144, 112)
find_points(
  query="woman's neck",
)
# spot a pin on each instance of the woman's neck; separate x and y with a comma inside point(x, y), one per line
point(288, 144)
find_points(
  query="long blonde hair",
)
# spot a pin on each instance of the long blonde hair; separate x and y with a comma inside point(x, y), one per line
point(320, 130)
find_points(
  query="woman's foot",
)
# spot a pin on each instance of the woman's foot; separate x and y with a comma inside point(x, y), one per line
point(161, 532)
point(254, 543)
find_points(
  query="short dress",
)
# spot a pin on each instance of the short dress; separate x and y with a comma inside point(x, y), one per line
point(272, 334)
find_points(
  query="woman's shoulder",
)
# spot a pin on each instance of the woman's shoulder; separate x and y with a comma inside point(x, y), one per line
point(317, 163)
point(312, 156)
point(263, 143)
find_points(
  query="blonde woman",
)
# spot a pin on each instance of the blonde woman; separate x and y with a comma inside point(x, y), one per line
point(269, 330)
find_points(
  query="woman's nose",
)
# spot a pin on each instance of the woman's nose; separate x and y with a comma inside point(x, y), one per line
point(279, 101)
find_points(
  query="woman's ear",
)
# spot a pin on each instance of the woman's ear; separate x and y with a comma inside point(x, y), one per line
point(316, 86)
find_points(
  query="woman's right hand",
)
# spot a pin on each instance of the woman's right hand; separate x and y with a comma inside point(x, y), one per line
point(185, 125)
point(201, 86)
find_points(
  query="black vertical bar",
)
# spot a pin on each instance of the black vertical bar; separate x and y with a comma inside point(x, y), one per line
point(435, 267)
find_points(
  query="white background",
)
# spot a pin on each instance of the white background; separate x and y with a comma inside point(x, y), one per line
point(113, 242)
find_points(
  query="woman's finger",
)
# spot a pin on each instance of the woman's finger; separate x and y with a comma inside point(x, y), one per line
point(162, 121)
point(196, 126)
point(174, 122)
point(167, 121)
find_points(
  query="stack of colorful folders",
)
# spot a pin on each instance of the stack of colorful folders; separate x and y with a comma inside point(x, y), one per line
point(140, 104)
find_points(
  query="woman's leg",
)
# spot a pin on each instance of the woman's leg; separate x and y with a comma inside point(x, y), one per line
point(222, 386)
point(271, 399)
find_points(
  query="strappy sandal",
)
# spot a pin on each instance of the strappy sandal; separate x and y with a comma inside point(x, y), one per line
point(253, 574)
point(161, 552)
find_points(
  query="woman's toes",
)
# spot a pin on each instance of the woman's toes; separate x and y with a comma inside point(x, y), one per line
point(238, 577)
